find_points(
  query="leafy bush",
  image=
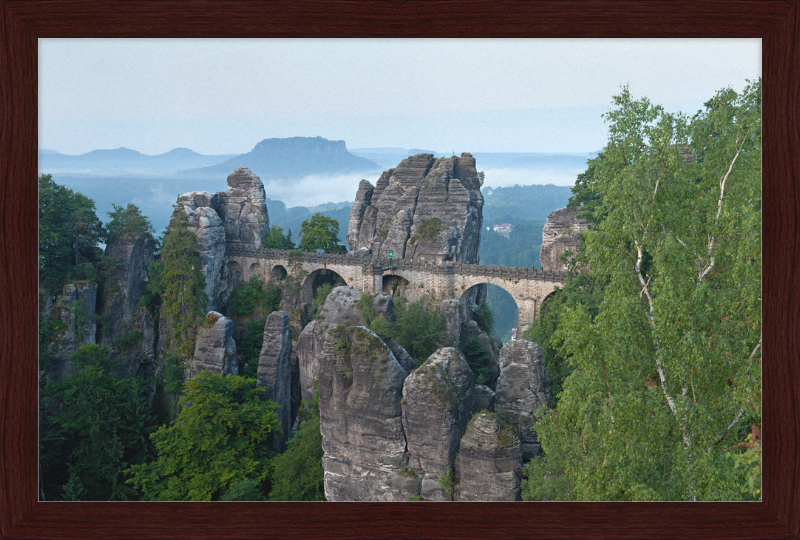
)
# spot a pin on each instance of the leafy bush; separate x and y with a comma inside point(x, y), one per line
point(246, 298)
point(447, 482)
point(221, 437)
point(544, 481)
point(246, 490)
point(418, 330)
point(128, 340)
point(298, 471)
point(430, 228)
point(320, 295)
point(249, 348)
point(153, 288)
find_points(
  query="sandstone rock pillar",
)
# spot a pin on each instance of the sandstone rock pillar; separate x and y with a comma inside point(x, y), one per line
point(275, 370)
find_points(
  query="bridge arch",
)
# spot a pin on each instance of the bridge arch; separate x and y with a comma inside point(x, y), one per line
point(256, 270)
point(395, 285)
point(278, 273)
point(317, 279)
point(504, 305)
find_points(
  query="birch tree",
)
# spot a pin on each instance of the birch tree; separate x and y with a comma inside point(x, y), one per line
point(666, 378)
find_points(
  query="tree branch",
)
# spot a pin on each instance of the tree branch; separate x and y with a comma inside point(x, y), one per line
point(722, 183)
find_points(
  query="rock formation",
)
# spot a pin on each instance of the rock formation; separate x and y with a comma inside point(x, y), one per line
point(489, 462)
point(426, 209)
point(437, 404)
point(360, 385)
point(243, 209)
point(206, 224)
point(340, 308)
point(522, 388)
point(235, 216)
point(562, 232)
point(129, 330)
point(75, 309)
point(215, 350)
point(275, 370)
point(484, 398)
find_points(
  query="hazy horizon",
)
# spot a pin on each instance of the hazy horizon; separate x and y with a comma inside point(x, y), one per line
point(220, 97)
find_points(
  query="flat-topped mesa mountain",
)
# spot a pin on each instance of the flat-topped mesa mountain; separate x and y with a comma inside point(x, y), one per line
point(291, 158)
point(424, 209)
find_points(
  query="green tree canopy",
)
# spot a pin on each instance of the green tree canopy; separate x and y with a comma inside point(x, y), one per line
point(98, 423)
point(320, 232)
point(69, 231)
point(277, 240)
point(666, 378)
point(127, 220)
point(221, 437)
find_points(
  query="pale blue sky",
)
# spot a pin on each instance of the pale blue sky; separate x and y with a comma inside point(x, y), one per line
point(481, 95)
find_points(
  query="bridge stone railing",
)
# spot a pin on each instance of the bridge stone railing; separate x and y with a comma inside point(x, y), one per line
point(377, 266)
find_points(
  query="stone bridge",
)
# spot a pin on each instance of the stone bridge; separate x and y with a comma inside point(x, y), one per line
point(527, 286)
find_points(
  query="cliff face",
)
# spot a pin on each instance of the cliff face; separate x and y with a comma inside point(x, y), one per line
point(74, 309)
point(425, 208)
point(562, 232)
point(129, 330)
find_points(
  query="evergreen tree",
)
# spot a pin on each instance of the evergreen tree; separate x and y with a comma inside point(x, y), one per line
point(69, 231)
point(183, 282)
point(276, 240)
point(127, 220)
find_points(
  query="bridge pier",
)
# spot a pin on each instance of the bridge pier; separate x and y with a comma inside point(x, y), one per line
point(527, 314)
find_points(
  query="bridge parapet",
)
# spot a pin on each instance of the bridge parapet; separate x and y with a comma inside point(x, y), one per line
point(379, 265)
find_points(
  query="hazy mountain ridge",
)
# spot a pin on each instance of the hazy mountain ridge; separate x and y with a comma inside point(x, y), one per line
point(124, 162)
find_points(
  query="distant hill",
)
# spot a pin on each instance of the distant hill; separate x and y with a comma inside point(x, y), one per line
point(290, 158)
point(124, 162)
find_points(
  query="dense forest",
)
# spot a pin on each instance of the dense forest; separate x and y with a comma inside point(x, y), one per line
point(652, 347)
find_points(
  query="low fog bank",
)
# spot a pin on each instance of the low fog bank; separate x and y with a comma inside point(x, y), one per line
point(528, 177)
point(314, 190)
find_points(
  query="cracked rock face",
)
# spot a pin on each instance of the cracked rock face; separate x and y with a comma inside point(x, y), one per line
point(489, 463)
point(438, 399)
point(427, 209)
point(522, 388)
point(275, 371)
point(360, 386)
point(243, 208)
point(562, 232)
point(214, 349)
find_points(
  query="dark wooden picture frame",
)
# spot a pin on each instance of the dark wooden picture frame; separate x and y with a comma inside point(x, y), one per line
point(777, 23)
